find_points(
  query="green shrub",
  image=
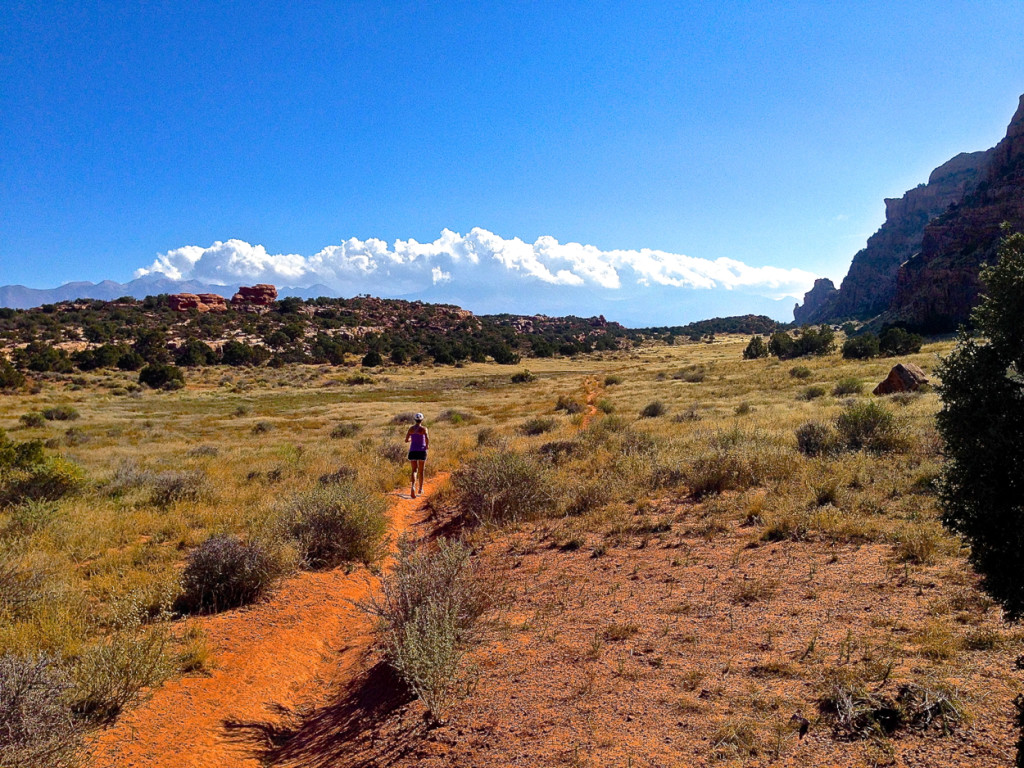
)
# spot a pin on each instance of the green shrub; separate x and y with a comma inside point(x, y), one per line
point(814, 438)
point(812, 392)
point(344, 429)
point(522, 377)
point(537, 425)
point(425, 614)
point(36, 725)
point(871, 426)
point(48, 479)
point(605, 405)
point(896, 341)
point(500, 487)
point(32, 419)
point(860, 347)
point(224, 572)
point(160, 375)
point(612, 379)
point(755, 349)
point(338, 523)
point(800, 372)
point(848, 385)
point(693, 374)
point(653, 410)
point(981, 423)
point(372, 359)
point(60, 413)
point(10, 377)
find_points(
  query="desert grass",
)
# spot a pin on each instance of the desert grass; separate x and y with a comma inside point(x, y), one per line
point(723, 458)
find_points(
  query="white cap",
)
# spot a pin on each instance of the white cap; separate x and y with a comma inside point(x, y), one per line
point(418, 417)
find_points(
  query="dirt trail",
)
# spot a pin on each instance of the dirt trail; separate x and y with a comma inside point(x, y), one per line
point(591, 388)
point(288, 652)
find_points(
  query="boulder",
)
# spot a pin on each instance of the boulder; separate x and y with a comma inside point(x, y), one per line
point(262, 295)
point(904, 377)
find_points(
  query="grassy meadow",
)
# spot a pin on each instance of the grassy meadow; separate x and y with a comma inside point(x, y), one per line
point(687, 441)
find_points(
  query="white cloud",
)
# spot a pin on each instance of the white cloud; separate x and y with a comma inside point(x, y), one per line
point(479, 259)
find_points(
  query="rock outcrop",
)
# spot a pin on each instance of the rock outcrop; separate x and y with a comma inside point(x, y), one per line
point(870, 286)
point(938, 287)
point(261, 295)
point(904, 377)
point(815, 300)
point(920, 269)
point(202, 302)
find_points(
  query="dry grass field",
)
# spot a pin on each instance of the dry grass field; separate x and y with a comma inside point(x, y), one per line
point(673, 576)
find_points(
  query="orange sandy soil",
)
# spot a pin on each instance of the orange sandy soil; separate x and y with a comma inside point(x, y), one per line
point(639, 656)
point(279, 656)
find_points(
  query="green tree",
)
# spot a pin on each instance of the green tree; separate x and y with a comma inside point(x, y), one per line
point(981, 422)
point(755, 349)
point(860, 347)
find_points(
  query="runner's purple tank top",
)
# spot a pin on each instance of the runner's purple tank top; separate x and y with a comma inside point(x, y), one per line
point(418, 442)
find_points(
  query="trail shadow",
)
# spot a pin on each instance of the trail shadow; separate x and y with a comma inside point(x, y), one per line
point(343, 732)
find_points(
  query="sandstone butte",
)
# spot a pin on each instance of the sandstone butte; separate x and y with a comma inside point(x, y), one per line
point(262, 295)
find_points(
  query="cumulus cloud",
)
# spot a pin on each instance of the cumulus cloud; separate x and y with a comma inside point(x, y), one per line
point(479, 259)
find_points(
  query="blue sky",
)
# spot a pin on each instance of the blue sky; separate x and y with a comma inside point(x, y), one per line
point(764, 133)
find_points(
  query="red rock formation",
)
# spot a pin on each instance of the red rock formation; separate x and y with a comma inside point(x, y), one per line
point(212, 303)
point(904, 377)
point(261, 295)
point(937, 288)
point(182, 302)
point(203, 302)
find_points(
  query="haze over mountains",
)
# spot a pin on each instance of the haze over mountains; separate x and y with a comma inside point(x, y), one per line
point(921, 268)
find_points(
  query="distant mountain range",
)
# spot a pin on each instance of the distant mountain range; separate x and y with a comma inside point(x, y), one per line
point(920, 269)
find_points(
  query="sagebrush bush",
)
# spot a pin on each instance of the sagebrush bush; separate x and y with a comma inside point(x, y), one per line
point(32, 419)
point(225, 572)
point(110, 675)
point(871, 426)
point(522, 377)
point(653, 410)
point(812, 392)
point(848, 385)
point(344, 429)
point(338, 523)
point(814, 438)
point(612, 379)
point(36, 725)
point(800, 372)
point(502, 487)
point(60, 413)
point(424, 615)
point(568, 404)
point(177, 485)
point(537, 425)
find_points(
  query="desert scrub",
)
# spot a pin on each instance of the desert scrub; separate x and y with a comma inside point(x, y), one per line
point(653, 410)
point(800, 372)
point(36, 724)
point(32, 419)
point(225, 572)
point(871, 426)
point(424, 617)
point(500, 487)
point(612, 379)
point(344, 429)
point(537, 425)
point(815, 438)
point(848, 385)
point(568, 404)
point(60, 413)
point(336, 523)
point(523, 377)
point(111, 674)
point(812, 392)
point(27, 473)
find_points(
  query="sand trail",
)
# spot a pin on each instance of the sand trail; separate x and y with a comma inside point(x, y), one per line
point(287, 652)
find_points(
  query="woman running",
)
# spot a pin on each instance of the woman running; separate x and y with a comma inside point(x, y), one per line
point(418, 441)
